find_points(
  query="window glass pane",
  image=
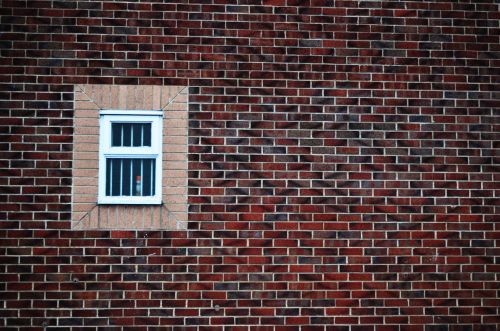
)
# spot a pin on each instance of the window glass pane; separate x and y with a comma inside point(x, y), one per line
point(108, 175)
point(126, 187)
point(116, 134)
point(130, 134)
point(126, 135)
point(147, 176)
point(130, 177)
point(115, 177)
point(146, 137)
point(137, 135)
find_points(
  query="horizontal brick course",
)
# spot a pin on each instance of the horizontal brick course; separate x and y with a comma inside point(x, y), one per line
point(342, 165)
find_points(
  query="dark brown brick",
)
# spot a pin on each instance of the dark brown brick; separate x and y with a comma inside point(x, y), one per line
point(341, 156)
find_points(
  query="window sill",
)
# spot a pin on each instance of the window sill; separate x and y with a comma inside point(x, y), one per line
point(149, 202)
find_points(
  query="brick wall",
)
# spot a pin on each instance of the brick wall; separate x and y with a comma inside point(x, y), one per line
point(343, 165)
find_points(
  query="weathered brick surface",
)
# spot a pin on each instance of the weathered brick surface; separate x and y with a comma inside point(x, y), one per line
point(343, 165)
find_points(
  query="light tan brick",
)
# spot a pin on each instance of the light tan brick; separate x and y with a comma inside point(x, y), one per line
point(176, 132)
point(78, 172)
point(174, 182)
point(175, 165)
point(89, 139)
point(167, 157)
point(177, 106)
point(86, 198)
point(86, 121)
point(87, 147)
point(174, 114)
point(102, 96)
point(176, 123)
point(122, 97)
point(86, 130)
point(175, 140)
point(156, 98)
point(83, 208)
point(174, 149)
point(114, 97)
point(86, 164)
point(146, 103)
point(181, 98)
point(165, 96)
point(87, 105)
point(79, 96)
point(85, 181)
point(86, 156)
point(84, 190)
point(93, 219)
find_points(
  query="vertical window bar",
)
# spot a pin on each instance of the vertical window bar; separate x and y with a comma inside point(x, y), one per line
point(142, 177)
point(132, 182)
point(111, 177)
point(121, 177)
point(129, 167)
point(151, 188)
point(121, 140)
point(132, 135)
point(142, 134)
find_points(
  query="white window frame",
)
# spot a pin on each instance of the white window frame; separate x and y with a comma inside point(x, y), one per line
point(106, 151)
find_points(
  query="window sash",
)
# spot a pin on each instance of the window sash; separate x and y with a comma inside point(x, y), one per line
point(130, 177)
point(106, 134)
point(108, 152)
point(130, 134)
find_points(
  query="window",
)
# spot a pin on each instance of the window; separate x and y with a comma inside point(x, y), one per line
point(130, 145)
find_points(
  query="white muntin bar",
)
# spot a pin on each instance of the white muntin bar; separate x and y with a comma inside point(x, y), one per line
point(111, 177)
point(132, 177)
point(132, 135)
point(142, 177)
point(151, 188)
point(121, 139)
point(121, 177)
point(142, 135)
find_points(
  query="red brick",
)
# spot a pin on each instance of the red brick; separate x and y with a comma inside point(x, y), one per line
point(342, 166)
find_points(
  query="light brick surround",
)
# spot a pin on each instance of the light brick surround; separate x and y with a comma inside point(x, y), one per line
point(89, 100)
